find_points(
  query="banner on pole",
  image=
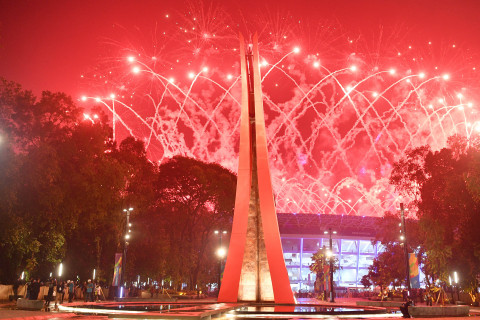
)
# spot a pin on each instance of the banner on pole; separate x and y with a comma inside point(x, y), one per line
point(117, 270)
point(414, 274)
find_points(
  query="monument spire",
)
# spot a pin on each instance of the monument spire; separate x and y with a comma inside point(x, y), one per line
point(255, 268)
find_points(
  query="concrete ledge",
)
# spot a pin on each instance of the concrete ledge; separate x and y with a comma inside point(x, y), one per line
point(438, 311)
point(383, 304)
point(25, 304)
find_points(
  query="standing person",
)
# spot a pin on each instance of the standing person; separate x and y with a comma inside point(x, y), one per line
point(84, 291)
point(428, 298)
point(16, 284)
point(71, 290)
point(78, 289)
point(98, 292)
point(90, 288)
point(60, 293)
point(35, 289)
point(27, 293)
point(38, 285)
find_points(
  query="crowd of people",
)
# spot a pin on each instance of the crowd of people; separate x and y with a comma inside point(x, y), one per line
point(60, 290)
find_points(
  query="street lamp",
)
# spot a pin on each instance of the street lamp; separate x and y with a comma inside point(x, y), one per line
point(125, 244)
point(221, 253)
point(455, 278)
point(403, 237)
point(330, 255)
point(60, 270)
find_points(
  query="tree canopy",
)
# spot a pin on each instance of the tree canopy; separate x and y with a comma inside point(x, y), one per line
point(64, 183)
point(444, 187)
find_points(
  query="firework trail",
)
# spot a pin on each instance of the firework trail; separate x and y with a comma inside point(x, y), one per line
point(338, 113)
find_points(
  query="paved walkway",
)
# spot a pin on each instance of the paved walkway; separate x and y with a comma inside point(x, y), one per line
point(7, 311)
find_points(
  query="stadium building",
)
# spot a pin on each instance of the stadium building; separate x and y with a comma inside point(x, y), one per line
point(303, 234)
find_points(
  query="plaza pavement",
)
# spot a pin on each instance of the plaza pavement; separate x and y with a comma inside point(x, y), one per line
point(7, 311)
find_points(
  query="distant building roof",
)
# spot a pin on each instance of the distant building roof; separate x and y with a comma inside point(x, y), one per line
point(316, 224)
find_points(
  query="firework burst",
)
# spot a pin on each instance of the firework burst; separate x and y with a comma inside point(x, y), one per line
point(338, 113)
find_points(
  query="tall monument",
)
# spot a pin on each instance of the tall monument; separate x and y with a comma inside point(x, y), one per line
point(255, 268)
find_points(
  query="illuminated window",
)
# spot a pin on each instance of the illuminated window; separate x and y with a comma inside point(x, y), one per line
point(291, 245)
point(350, 246)
point(307, 260)
point(311, 245)
point(292, 259)
point(366, 247)
point(349, 260)
point(365, 261)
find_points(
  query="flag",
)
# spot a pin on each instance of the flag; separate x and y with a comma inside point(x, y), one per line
point(414, 274)
point(117, 270)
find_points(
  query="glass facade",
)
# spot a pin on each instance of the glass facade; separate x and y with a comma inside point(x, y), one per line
point(355, 256)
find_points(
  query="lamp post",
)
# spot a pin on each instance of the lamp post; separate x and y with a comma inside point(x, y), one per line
point(332, 291)
point(455, 277)
point(405, 250)
point(221, 252)
point(125, 246)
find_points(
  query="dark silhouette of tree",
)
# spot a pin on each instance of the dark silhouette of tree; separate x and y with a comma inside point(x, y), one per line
point(387, 269)
point(64, 184)
point(446, 183)
point(194, 199)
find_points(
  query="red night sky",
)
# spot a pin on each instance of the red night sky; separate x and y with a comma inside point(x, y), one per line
point(48, 44)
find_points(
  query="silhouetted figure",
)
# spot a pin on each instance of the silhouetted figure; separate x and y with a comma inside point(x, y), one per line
point(404, 308)
point(71, 290)
point(27, 293)
point(16, 284)
point(35, 290)
point(429, 298)
point(50, 295)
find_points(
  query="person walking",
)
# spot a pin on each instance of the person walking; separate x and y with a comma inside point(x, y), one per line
point(71, 290)
point(50, 295)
